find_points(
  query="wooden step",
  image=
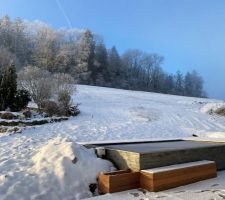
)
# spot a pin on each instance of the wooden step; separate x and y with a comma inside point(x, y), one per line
point(118, 181)
point(163, 178)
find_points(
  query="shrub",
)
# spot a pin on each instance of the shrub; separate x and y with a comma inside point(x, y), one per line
point(63, 82)
point(43, 86)
point(21, 100)
point(74, 111)
point(220, 111)
point(27, 113)
point(38, 82)
point(64, 100)
point(3, 129)
point(50, 108)
point(8, 115)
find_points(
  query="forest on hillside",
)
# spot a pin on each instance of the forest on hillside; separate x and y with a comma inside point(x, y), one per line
point(83, 55)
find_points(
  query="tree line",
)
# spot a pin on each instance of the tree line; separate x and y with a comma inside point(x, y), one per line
point(84, 56)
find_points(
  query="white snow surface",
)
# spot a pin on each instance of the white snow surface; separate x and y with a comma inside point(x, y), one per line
point(60, 169)
point(177, 166)
point(37, 164)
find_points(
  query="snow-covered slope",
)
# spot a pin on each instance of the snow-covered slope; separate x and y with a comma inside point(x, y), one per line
point(112, 114)
point(106, 114)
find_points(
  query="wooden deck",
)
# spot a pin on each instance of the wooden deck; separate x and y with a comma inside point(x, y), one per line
point(147, 155)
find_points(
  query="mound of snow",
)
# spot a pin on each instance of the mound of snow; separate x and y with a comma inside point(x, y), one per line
point(67, 169)
point(59, 170)
point(212, 107)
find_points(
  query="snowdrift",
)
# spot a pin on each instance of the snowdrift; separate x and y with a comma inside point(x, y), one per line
point(67, 169)
point(62, 169)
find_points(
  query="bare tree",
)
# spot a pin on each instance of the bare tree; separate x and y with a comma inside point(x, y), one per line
point(37, 81)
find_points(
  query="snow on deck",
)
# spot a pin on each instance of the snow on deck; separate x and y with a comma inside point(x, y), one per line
point(177, 166)
point(106, 114)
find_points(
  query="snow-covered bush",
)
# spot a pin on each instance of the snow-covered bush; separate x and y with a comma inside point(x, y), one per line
point(217, 108)
point(64, 99)
point(220, 111)
point(74, 110)
point(63, 82)
point(51, 92)
point(64, 86)
point(37, 81)
point(8, 115)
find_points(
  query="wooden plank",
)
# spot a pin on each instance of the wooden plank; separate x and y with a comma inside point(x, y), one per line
point(180, 172)
point(161, 187)
point(146, 181)
point(163, 180)
point(118, 181)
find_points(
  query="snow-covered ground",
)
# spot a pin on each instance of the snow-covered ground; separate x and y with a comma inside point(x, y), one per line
point(32, 167)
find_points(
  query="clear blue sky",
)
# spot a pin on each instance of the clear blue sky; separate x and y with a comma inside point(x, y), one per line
point(189, 33)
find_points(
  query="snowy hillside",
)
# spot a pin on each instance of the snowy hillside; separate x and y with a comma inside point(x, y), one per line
point(112, 114)
point(29, 170)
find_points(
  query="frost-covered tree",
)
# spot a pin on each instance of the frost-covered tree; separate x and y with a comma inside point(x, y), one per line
point(84, 56)
point(45, 48)
point(6, 33)
point(14, 38)
point(193, 84)
point(85, 47)
point(65, 59)
point(37, 82)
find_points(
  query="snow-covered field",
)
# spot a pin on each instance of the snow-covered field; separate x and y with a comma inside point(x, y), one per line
point(36, 163)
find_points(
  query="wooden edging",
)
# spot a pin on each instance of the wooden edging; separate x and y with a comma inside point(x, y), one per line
point(155, 181)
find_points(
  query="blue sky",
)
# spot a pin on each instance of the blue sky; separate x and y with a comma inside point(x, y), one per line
point(189, 33)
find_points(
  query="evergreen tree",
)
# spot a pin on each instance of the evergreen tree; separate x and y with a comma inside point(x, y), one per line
point(179, 83)
point(168, 84)
point(101, 64)
point(188, 87)
point(114, 71)
point(8, 86)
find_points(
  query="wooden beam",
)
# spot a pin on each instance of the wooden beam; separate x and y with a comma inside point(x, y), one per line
point(164, 178)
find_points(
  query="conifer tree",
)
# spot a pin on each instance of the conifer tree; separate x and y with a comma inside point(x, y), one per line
point(8, 86)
